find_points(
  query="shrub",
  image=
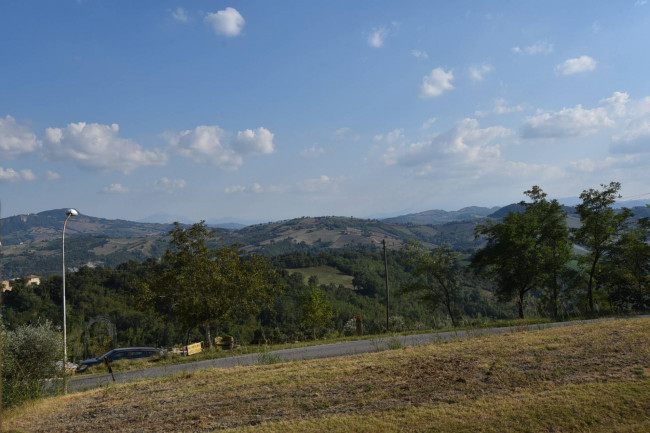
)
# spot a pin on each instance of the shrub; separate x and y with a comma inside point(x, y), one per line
point(29, 362)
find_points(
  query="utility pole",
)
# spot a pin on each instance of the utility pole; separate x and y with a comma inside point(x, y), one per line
point(387, 291)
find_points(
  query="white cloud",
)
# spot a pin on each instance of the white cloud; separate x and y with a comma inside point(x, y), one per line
point(234, 189)
point(465, 143)
point(345, 133)
point(321, 184)
point(255, 188)
point(227, 22)
point(588, 165)
point(16, 140)
point(394, 136)
point(575, 66)
point(420, 54)
point(377, 36)
point(11, 175)
point(428, 123)
point(52, 175)
point(500, 107)
point(640, 2)
point(180, 15)
point(313, 151)
point(97, 146)
point(169, 186)
point(477, 73)
point(116, 188)
point(618, 102)
point(437, 82)
point(595, 27)
point(256, 142)
point(568, 122)
point(540, 47)
point(219, 147)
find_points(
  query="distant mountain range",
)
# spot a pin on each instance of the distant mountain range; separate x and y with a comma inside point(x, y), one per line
point(31, 244)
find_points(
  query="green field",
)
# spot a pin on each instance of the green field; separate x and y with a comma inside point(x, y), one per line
point(326, 275)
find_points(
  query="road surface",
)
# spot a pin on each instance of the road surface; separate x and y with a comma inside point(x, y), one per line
point(81, 383)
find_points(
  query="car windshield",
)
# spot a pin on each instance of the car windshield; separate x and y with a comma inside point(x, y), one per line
point(106, 354)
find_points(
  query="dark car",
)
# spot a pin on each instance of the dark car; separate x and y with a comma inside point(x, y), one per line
point(120, 354)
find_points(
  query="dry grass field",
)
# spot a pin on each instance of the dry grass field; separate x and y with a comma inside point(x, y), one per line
point(582, 378)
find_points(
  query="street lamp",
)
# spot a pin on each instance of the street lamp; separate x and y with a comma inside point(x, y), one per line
point(69, 213)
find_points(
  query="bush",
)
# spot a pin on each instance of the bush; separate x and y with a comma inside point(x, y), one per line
point(29, 362)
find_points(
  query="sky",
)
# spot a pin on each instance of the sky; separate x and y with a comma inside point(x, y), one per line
point(258, 111)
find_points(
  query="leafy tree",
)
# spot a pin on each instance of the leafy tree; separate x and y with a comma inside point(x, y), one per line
point(601, 227)
point(526, 249)
point(316, 311)
point(626, 270)
point(437, 279)
point(197, 285)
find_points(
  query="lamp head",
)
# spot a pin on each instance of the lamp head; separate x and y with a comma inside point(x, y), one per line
point(72, 212)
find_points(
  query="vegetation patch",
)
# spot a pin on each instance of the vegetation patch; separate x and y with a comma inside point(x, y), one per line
point(326, 275)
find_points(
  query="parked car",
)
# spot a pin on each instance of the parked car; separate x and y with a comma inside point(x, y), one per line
point(120, 354)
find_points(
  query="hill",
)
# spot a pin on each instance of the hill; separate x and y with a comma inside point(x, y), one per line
point(32, 243)
point(584, 377)
point(438, 216)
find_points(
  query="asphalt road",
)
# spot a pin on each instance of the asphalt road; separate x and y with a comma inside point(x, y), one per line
point(82, 383)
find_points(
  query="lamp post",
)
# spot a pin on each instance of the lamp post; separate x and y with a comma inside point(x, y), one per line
point(69, 213)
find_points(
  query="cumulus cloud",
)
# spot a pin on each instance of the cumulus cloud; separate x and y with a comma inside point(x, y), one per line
point(116, 188)
point(254, 188)
point(465, 143)
point(180, 15)
point(540, 47)
point(568, 122)
point(234, 189)
point(16, 140)
point(169, 186)
point(501, 107)
point(320, 184)
point(575, 66)
point(420, 54)
point(477, 73)
point(96, 146)
point(227, 22)
point(219, 147)
point(436, 83)
point(428, 123)
point(394, 136)
point(11, 175)
point(52, 175)
point(377, 36)
point(313, 151)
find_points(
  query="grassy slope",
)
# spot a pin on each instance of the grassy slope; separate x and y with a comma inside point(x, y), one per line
point(326, 275)
point(592, 378)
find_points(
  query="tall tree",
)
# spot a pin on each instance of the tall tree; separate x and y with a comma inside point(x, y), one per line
point(626, 269)
point(600, 229)
point(197, 285)
point(525, 249)
point(437, 277)
point(316, 311)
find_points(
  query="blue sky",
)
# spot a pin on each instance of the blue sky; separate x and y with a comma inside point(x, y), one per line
point(260, 110)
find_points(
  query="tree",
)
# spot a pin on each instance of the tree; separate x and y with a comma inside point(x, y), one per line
point(601, 227)
point(526, 249)
point(316, 311)
point(197, 285)
point(437, 277)
point(626, 269)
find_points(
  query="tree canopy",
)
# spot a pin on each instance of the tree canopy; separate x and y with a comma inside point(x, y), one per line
point(525, 248)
